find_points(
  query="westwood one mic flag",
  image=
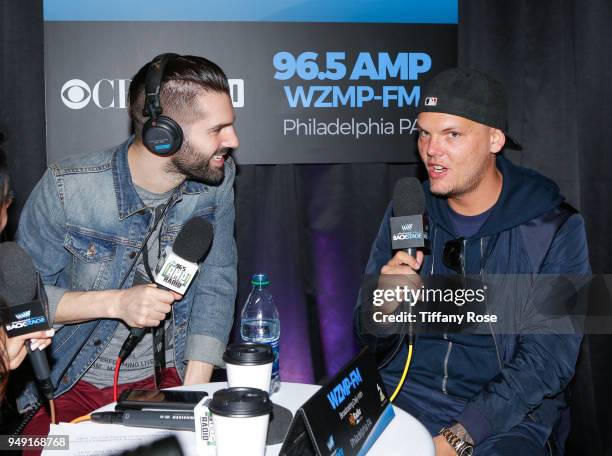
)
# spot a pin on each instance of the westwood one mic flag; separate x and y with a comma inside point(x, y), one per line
point(311, 81)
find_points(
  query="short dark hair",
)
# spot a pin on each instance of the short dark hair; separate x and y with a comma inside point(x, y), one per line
point(185, 77)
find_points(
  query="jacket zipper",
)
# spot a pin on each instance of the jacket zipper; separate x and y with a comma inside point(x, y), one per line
point(448, 352)
point(433, 248)
point(464, 252)
point(484, 285)
point(450, 344)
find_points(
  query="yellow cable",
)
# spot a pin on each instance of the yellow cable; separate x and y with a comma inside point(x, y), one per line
point(81, 419)
point(403, 379)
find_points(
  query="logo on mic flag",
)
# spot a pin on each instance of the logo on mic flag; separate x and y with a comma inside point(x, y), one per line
point(176, 273)
point(22, 315)
point(407, 232)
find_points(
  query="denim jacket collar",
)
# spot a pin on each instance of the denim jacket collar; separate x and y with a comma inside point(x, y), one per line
point(128, 201)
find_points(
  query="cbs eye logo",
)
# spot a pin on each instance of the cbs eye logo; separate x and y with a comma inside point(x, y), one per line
point(76, 94)
point(105, 94)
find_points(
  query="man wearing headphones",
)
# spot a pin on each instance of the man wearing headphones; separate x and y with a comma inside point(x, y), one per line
point(85, 224)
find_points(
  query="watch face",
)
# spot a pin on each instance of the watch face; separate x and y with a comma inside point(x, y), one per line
point(467, 451)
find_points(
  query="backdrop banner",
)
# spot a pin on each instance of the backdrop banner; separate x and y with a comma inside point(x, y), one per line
point(312, 82)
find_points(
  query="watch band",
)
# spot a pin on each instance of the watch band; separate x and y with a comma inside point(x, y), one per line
point(461, 447)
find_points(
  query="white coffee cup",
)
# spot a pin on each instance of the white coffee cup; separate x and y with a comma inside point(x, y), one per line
point(249, 365)
point(240, 417)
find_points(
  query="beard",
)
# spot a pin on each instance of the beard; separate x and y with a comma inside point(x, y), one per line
point(196, 166)
point(467, 183)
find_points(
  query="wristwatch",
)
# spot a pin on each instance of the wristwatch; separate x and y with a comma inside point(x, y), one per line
point(461, 447)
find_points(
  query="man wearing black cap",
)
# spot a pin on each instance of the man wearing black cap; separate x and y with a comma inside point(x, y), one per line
point(489, 394)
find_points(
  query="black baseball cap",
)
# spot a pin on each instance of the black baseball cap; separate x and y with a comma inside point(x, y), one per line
point(468, 93)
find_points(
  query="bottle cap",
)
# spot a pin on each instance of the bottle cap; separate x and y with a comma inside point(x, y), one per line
point(260, 279)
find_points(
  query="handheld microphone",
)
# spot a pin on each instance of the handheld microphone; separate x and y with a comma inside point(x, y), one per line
point(177, 270)
point(180, 266)
point(408, 224)
point(19, 286)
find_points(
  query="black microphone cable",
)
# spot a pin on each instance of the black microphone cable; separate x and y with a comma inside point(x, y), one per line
point(133, 340)
point(191, 244)
point(192, 248)
point(40, 366)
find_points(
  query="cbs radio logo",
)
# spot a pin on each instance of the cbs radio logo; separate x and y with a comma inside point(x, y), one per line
point(113, 93)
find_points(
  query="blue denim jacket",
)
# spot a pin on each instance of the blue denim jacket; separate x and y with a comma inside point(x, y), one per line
point(83, 225)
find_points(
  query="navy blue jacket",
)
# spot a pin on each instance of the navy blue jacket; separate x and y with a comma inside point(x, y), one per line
point(516, 238)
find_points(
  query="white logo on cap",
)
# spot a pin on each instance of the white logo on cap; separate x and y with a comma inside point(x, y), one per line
point(431, 101)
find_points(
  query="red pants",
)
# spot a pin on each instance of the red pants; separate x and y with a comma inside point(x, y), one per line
point(83, 398)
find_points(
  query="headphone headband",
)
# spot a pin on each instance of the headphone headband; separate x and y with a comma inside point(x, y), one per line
point(153, 80)
point(160, 134)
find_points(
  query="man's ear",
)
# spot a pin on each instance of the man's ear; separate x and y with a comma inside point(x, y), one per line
point(497, 139)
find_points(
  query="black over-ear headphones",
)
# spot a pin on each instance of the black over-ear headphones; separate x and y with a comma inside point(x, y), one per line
point(160, 134)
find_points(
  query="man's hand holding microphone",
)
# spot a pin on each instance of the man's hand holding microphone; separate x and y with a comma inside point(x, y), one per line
point(144, 306)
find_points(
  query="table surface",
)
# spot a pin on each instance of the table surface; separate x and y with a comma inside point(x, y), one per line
point(404, 435)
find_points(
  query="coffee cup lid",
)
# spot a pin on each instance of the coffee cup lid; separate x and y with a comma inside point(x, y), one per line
point(248, 354)
point(240, 402)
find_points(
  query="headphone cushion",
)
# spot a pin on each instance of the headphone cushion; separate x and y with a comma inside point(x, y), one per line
point(162, 136)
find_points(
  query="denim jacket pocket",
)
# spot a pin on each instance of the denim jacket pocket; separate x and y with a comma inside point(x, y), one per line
point(91, 258)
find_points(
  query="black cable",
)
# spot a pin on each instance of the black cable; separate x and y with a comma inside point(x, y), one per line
point(146, 239)
point(130, 343)
point(26, 418)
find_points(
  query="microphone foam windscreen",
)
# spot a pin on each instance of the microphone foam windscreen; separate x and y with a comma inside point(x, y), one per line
point(194, 239)
point(17, 274)
point(408, 197)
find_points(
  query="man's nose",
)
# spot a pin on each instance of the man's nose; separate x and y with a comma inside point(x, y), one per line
point(231, 139)
point(433, 148)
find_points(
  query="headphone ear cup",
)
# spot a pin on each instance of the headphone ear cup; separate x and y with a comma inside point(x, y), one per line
point(162, 136)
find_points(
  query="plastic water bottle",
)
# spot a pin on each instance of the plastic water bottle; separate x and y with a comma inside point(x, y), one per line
point(259, 322)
